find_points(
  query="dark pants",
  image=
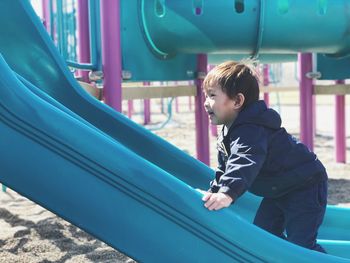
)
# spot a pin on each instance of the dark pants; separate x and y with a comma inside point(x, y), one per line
point(296, 216)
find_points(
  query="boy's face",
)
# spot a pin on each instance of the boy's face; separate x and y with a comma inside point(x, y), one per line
point(220, 108)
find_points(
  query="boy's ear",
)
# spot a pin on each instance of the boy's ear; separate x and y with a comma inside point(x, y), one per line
point(238, 101)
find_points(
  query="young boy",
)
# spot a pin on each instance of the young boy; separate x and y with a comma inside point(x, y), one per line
point(256, 154)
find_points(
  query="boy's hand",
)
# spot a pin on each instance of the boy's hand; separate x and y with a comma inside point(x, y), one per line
point(216, 201)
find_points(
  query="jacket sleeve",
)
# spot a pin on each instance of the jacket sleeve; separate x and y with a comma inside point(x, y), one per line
point(220, 170)
point(248, 146)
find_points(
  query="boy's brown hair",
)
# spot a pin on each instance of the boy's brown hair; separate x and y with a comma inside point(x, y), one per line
point(233, 78)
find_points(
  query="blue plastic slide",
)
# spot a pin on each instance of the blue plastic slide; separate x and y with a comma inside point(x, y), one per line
point(100, 171)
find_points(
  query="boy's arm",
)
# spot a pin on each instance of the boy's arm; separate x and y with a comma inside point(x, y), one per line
point(220, 170)
point(248, 152)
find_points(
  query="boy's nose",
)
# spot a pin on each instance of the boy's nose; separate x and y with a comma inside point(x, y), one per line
point(206, 104)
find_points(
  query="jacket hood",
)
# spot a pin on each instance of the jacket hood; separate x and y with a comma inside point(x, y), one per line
point(258, 113)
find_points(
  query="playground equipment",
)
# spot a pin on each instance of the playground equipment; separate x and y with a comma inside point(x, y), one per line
point(113, 178)
point(246, 19)
point(186, 27)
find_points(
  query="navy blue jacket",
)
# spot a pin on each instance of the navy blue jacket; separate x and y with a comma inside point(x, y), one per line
point(260, 156)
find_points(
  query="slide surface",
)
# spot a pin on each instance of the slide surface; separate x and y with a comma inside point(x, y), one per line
point(95, 168)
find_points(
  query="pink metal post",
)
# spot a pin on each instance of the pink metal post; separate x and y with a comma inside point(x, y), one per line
point(46, 15)
point(84, 36)
point(306, 102)
point(146, 107)
point(266, 82)
point(202, 122)
point(111, 53)
point(214, 130)
point(130, 108)
point(147, 111)
point(340, 129)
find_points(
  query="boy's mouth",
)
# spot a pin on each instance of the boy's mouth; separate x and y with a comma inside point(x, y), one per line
point(210, 113)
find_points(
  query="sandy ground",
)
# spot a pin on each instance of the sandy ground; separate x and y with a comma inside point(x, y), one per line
point(29, 233)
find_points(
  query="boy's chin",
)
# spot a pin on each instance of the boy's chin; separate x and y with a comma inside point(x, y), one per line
point(214, 122)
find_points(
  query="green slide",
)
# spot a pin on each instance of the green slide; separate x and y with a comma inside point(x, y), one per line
point(97, 169)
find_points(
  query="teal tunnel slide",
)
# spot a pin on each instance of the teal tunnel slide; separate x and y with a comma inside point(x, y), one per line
point(246, 26)
point(100, 171)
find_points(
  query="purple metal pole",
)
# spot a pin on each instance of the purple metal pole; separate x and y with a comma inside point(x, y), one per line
point(53, 32)
point(340, 129)
point(214, 130)
point(202, 122)
point(147, 107)
point(46, 15)
point(147, 111)
point(130, 108)
point(84, 36)
point(111, 53)
point(266, 82)
point(306, 94)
